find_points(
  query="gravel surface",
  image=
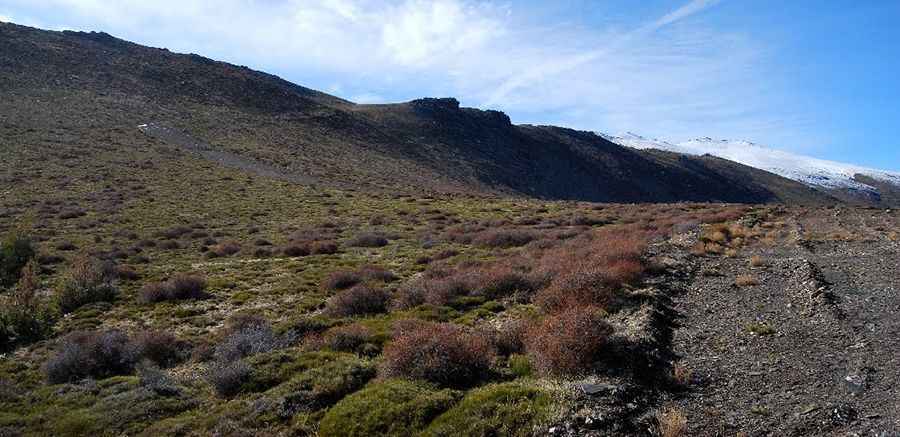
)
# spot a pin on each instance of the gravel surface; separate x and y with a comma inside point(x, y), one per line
point(812, 350)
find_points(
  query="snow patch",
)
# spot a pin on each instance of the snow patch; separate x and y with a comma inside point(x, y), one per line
point(810, 171)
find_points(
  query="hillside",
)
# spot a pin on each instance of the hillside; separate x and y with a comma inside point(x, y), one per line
point(102, 88)
point(189, 248)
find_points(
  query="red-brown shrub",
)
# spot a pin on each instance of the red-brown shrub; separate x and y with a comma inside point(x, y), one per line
point(323, 247)
point(358, 300)
point(368, 240)
point(371, 272)
point(503, 238)
point(180, 287)
point(588, 270)
point(162, 348)
point(442, 353)
point(341, 279)
point(568, 342)
point(436, 291)
point(295, 249)
point(501, 281)
point(225, 249)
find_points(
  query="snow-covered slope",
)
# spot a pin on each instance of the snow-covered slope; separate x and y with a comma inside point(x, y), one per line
point(811, 171)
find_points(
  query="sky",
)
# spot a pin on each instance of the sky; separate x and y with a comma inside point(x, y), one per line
point(812, 77)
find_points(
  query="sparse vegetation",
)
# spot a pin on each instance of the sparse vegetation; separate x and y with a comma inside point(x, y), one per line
point(760, 328)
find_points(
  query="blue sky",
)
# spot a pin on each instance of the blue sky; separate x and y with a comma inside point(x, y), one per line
point(815, 77)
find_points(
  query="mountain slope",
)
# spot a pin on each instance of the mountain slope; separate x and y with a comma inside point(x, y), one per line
point(846, 180)
point(93, 90)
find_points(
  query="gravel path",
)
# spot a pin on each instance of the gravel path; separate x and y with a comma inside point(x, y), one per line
point(813, 349)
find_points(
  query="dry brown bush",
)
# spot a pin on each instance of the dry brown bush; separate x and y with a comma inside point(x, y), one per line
point(757, 261)
point(670, 422)
point(568, 342)
point(443, 353)
point(358, 300)
point(503, 238)
point(745, 281)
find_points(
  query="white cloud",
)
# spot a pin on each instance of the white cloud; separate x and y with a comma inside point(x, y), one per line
point(673, 76)
point(5, 19)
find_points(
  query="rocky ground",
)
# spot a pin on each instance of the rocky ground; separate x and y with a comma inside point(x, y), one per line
point(812, 348)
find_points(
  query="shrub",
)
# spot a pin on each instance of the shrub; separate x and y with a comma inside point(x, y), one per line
point(323, 247)
point(294, 249)
point(249, 338)
point(321, 380)
point(182, 286)
point(227, 377)
point(175, 232)
point(502, 281)
point(503, 238)
point(568, 342)
point(349, 338)
point(508, 409)
point(15, 251)
point(520, 366)
point(358, 300)
point(23, 319)
point(187, 286)
point(670, 422)
point(170, 245)
point(376, 273)
point(341, 280)
point(225, 249)
point(433, 291)
point(509, 337)
point(87, 281)
point(589, 271)
point(442, 353)
point(368, 240)
point(745, 281)
point(162, 348)
point(757, 261)
point(91, 354)
point(127, 273)
point(392, 407)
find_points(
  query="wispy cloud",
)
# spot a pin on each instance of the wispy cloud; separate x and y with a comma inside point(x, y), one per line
point(674, 75)
point(542, 70)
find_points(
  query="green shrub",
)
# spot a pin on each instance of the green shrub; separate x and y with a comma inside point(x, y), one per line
point(87, 281)
point(323, 385)
point(15, 251)
point(520, 365)
point(509, 409)
point(23, 318)
point(272, 368)
point(391, 407)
